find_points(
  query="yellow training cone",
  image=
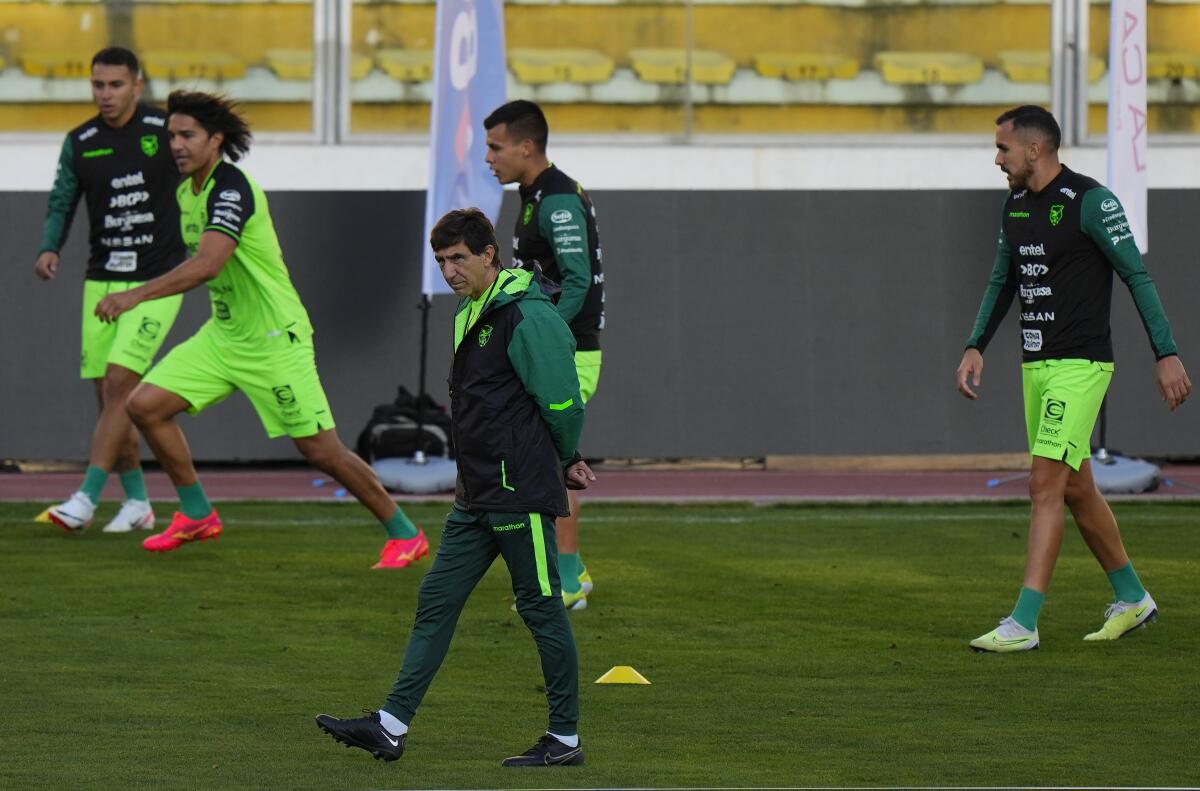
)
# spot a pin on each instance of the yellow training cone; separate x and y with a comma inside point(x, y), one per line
point(44, 516)
point(622, 674)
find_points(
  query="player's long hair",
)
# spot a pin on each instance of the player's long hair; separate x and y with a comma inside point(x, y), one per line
point(216, 114)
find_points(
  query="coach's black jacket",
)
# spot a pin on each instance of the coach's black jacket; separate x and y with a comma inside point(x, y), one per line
point(514, 399)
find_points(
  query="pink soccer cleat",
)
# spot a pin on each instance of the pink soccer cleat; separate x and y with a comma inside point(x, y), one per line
point(400, 552)
point(182, 530)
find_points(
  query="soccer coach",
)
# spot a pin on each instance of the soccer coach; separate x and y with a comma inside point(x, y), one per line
point(517, 416)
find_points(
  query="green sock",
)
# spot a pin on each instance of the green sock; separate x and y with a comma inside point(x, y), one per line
point(1029, 605)
point(134, 485)
point(400, 526)
point(193, 502)
point(1126, 585)
point(568, 571)
point(93, 483)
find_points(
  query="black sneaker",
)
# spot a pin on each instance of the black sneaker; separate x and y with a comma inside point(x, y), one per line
point(547, 752)
point(365, 733)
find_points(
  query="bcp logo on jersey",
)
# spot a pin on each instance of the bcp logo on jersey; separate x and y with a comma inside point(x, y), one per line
point(1054, 410)
point(1056, 213)
point(149, 145)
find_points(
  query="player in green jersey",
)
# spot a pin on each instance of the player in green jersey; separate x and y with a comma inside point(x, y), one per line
point(258, 339)
point(1062, 236)
point(117, 163)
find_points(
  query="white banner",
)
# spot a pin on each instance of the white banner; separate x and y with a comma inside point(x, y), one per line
point(468, 83)
point(1127, 146)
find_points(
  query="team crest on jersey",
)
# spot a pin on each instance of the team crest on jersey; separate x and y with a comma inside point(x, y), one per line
point(1056, 213)
point(485, 335)
point(528, 215)
point(149, 145)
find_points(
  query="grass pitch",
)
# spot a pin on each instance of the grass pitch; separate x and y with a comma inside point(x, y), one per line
point(787, 646)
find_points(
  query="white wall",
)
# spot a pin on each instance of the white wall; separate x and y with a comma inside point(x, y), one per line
point(29, 166)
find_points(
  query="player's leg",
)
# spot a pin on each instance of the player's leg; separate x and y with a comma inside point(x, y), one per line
point(96, 338)
point(190, 378)
point(282, 383)
point(527, 544)
point(140, 334)
point(1132, 605)
point(1047, 490)
point(466, 551)
point(576, 580)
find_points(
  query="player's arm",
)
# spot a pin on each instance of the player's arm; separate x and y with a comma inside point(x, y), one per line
point(214, 251)
point(562, 221)
point(60, 211)
point(1002, 286)
point(542, 352)
point(1103, 219)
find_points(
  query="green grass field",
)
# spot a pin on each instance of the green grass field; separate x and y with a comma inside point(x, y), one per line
point(787, 646)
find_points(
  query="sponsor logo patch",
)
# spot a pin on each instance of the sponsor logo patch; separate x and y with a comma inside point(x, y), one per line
point(560, 216)
point(284, 394)
point(231, 195)
point(1054, 410)
point(1109, 205)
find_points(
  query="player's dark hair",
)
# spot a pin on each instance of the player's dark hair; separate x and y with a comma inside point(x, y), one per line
point(1030, 116)
point(215, 114)
point(523, 120)
point(469, 226)
point(118, 56)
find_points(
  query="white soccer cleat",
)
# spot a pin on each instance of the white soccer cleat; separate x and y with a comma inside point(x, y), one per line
point(1123, 617)
point(134, 515)
point(75, 514)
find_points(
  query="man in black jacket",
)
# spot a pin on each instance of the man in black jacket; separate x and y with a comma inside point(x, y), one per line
point(517, 416)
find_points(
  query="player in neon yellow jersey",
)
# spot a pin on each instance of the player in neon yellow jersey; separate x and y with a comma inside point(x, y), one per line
point(258, 340)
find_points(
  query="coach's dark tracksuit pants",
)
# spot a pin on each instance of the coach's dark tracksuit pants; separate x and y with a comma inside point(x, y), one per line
point(471, 540)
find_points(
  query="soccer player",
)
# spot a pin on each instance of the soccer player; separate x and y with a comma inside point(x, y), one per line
point(516, 416)
point(1062, 235)
point(258, 339)
point(556, 230)
point(119, 162)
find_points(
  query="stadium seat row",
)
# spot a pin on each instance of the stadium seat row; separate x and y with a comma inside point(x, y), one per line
point(589, 67)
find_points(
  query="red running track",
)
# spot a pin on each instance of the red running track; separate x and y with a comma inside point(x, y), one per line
point(620, 484)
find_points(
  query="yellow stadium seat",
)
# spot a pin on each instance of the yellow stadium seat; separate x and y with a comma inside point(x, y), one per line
point(200, 64)
point(1172, 66)
point(1034, 65)
point(296, 64)
point(928, 68)
point(536, 66)
point(60, 65)
point(669, 66)
point(805, 66)
point(406, 65)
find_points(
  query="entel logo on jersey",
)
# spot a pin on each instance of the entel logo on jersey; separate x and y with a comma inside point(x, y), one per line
point(1109, 205)
point(560, 216)
point(154, 121)
point(231, 195)
point(89, 133)
point(1032, 249)
point(1070, 193)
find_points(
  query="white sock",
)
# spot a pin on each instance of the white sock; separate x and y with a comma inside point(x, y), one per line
point(570, 741)
point(392, 725)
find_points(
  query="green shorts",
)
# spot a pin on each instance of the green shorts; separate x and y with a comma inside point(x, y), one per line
point(132, 340)
point(587, 365)
point(1062, 400)
point(278, 375)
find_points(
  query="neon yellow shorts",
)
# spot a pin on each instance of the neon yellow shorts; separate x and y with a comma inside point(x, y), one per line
point(1062, 400)
point(132, 340)
point(587, 366)
point(278, 375)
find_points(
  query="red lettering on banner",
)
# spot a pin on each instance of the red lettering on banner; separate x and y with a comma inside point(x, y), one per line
point(1130, 24)
point(1139, 126)
point(1137, 61)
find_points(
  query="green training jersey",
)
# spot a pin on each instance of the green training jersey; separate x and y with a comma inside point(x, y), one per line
point(253, 296)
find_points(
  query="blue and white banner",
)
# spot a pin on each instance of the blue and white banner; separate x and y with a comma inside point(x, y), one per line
point(1127, 147)
point(469, 78)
